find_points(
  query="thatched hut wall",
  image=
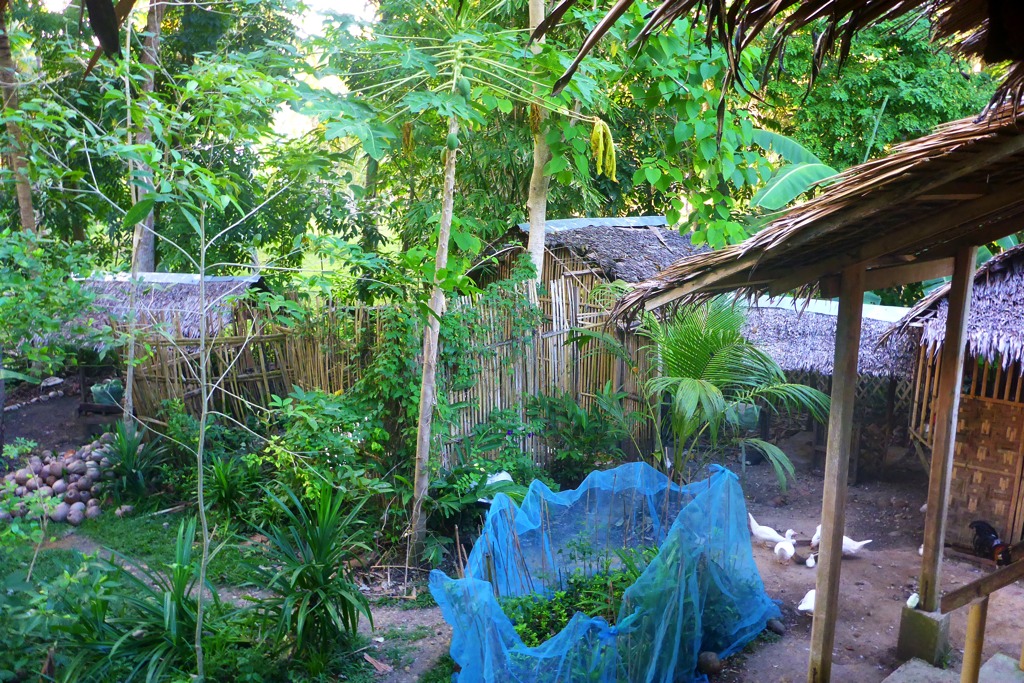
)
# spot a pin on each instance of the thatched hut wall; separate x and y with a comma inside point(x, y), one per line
point(988, 459)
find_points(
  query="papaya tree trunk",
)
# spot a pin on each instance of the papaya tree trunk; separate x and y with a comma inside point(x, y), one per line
point(144, 240)
point(431, 333)
point(16, 144)
point(537, 200)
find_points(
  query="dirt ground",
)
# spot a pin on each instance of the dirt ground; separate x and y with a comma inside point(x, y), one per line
point(875, 584)
point(54, 424)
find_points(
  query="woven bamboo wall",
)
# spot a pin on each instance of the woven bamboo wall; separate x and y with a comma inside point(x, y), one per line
point(987, 468)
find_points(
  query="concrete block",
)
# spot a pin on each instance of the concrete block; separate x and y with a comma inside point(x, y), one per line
point(1001, 669)
point(916, 671)
point(924, 635)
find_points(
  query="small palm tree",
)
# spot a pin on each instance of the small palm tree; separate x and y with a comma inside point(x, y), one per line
point(715, 379)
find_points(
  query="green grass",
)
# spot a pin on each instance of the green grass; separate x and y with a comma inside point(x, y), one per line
point(49, 565)
point(440, 672)
point(423, 600)
point(143, 538)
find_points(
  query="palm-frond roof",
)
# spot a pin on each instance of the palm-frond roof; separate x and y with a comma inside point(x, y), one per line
point(995, 325)
point(962, 185)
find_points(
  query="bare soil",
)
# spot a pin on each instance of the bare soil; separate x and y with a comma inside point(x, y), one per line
point(875, 584)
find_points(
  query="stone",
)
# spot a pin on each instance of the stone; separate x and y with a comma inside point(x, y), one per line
point(51, 480)
point(76, 467)
point(92, 512)
point(60, 487)
point(124, 510)
point(75, 518)
point(73, 478)
point(55, 394)
point(32, 484)
point(924, 635)
point(47, 453)
point(51, 382)
point(60, 512)
point(93, 503)
point(85, 483)
point(44, 398)
point(5, 516)
point(57, 469)
point(78, 507)
point(44, 492)
point(709, 663)
point(71, 495)
point(21, 477)
point(20, 491)
point(776, 627)
point(35, 467)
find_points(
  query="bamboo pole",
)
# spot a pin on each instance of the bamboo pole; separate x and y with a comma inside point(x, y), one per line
point(837, 466)
point(975, 640)
point(948, 403)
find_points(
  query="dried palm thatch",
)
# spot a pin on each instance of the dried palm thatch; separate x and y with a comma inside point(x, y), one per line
point(961, 185)
point(802, 338)
point(994, 329)
point(630, 249)
point(169, 302)
point(992, 30)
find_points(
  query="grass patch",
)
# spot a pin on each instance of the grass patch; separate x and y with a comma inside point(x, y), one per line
point(410, 635)
point(440, 672)
point(145, 539)
point(423, 600)
point(50, 564)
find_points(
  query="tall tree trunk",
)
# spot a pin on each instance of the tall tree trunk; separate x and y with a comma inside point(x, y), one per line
point(428, 388)
point(537, 200)
point(17, 161)
point(3, 401)
point(144, 241)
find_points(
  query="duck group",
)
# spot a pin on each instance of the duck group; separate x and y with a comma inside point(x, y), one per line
point(784, 548)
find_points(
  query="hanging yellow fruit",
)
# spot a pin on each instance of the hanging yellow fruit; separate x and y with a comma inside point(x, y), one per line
point(602, 146)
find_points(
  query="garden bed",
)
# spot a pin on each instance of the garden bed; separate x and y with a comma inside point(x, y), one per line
point(561, 553)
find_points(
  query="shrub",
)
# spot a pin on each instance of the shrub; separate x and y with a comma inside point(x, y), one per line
point(135, 463)
point(315, 603)
point(127, 621)
point(230, 484)
point(579, 439)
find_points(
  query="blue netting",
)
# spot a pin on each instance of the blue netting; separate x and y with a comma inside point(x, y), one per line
point(702, 591)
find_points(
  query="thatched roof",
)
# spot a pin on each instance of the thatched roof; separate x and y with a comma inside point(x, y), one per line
point(168, 300)
point(989, 30)
point(903, 217)
point(995, 330)
point(630, 249)
point(800, 336)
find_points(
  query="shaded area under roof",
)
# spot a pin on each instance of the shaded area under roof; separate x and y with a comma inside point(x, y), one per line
point(902, 217)
point(995, 326)
point(803, 339)
point(630, 249)
point(169, 300)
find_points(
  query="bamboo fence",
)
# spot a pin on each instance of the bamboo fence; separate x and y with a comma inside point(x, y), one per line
point(258, 360)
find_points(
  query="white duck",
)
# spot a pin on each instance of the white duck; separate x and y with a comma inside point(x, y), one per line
point(784, 551)
point(850, 546)
point(767, 535)
point(811, 561)
point(807, 604)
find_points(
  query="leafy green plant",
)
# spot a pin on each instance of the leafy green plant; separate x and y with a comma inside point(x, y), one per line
point(18, 449)
point(579, 438)
point(230, 485)
point(134, 461)
point(137, 623)
point(315, 603)
point(714, 378)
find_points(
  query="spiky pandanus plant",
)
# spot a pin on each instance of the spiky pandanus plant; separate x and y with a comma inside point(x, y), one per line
point(711, 375)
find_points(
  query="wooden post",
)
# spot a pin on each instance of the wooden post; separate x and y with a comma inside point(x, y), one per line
point(837, 466)
point(947, 403)
point(975, 641)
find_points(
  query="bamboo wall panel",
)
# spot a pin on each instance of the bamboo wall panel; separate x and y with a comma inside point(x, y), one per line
point(330, 353)
point(987, 466)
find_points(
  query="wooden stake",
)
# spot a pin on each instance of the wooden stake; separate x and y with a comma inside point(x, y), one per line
point(837, 466)
point(946, 406)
